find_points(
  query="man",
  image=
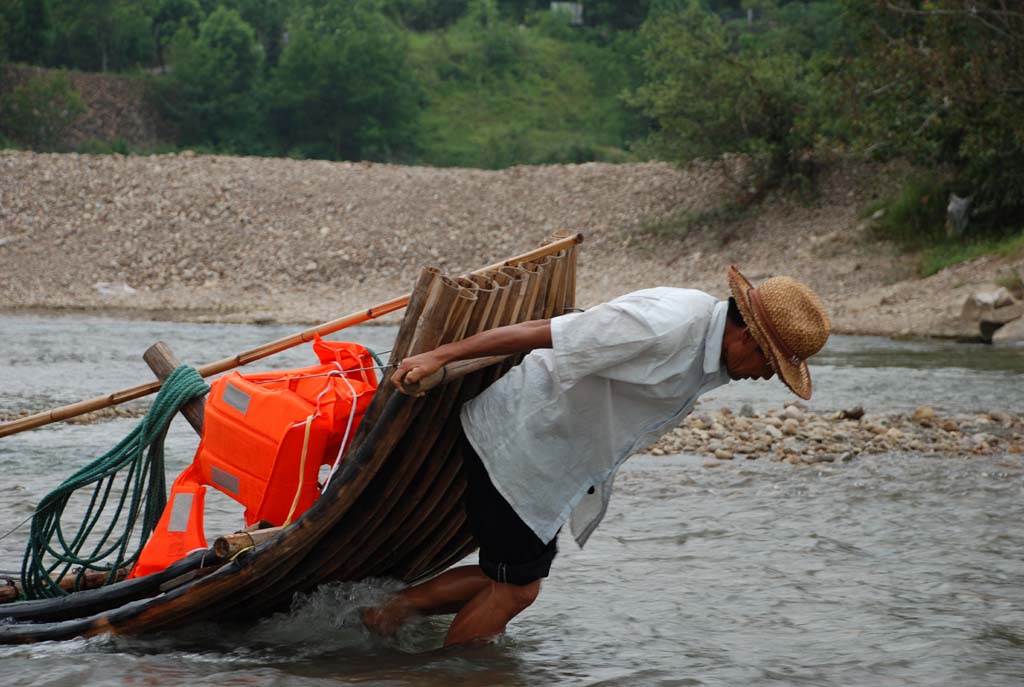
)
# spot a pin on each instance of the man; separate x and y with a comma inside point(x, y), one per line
point(543, 443)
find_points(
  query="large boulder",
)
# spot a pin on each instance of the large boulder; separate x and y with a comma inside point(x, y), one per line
point(983, 303)
point(989, 311)
point(1010, 333)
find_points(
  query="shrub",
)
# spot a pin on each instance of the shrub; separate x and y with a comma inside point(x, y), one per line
point(915, 215)
point(715, 88)
point(942, 83)
point(38, 112)
point(95, 146)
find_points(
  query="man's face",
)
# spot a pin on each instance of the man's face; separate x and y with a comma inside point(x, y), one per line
point(744, 359)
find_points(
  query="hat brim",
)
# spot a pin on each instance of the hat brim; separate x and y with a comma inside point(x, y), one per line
point(794, 375)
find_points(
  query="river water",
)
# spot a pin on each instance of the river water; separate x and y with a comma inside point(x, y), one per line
point(888, 570)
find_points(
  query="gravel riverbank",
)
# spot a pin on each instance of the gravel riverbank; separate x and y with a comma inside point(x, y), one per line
point(234, 239)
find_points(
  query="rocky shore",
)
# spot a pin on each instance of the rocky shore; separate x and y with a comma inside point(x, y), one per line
point(796, 436)
point(232, 239)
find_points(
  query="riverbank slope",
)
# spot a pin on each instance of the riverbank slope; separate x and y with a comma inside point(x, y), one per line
point(260, 239)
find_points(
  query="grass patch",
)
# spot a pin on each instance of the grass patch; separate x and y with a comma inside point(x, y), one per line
point(95, 146)
point(914, 217)
point(935, 258)
point(1013, 282)
point(506, 95)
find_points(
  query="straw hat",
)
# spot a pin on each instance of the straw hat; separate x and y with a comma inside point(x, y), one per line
point(788, 322)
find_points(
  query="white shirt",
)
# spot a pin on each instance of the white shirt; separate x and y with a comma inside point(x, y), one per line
point(617, 377)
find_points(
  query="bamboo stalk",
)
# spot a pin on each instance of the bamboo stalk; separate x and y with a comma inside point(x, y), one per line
point(450, 539)
point(210, 369)
point(553, 307)
point(384, 503)
point(252, 355)
point(452, 372)
point(431, 490)
point(441, 534)
point(517, 293)
point(534, 287)
point(90, 602)
point(229, 545)
point(433, 467)
point(540, 295)
point(445, 495)
point(461, 545)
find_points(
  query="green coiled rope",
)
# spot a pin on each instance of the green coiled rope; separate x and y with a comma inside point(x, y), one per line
point(129, 479)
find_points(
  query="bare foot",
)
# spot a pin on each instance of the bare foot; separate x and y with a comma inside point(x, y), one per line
point(385, 620)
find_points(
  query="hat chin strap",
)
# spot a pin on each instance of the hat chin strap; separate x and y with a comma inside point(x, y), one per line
point(754, 297)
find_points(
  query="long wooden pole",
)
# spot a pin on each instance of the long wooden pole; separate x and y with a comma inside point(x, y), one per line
point(258, 353)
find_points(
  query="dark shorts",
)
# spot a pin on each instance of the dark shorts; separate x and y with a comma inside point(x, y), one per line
point(509, 550)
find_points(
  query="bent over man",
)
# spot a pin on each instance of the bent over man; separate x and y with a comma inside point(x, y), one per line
point(543, 443)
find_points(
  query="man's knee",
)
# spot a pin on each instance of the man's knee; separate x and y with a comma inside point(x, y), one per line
point(519, 596)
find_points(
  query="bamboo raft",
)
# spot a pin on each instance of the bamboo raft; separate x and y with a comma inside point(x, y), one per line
point(395, 508)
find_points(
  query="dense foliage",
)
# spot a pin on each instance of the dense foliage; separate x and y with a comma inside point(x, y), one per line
point(769, 85)
point(717, 86)
point(38, 111)
point(942, 82)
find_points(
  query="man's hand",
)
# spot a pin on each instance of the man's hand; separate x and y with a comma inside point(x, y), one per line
point(507, 340)
point(415, 368)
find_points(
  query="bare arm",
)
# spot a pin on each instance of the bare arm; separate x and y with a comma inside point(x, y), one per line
point(514, 338)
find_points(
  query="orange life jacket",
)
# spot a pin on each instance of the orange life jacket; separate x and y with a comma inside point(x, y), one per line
point(265, 437)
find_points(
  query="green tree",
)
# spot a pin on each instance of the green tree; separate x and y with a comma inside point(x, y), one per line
point(26, 27)
point(712, 92)
point(38, 112)
point(426, 15)
point(210, 94)
point(5, 24)
point(617, 14)
point(170, 17)
point(516, 11)
point(943, 82)
point(267, 18)
point(343, 88)
point(102, 35)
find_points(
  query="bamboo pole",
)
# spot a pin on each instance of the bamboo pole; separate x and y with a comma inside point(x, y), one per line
point(406, 330)
point(252, 355)
point(539, 291)
point(208, 370)
point(556, 295)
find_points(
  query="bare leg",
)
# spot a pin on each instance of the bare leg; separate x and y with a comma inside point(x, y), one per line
point(487, 613)
point(446, 593)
